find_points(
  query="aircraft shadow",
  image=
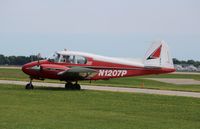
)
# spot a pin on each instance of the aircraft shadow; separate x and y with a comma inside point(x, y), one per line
point(55, 89)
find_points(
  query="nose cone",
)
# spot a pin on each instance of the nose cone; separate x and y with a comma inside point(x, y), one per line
point(33, 67)
point(26, 68)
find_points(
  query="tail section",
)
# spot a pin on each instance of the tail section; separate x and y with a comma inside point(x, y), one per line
point(158, 56)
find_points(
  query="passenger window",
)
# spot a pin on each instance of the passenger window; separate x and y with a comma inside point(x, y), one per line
point(80, 60)
point(72, 59)
point(67, 59)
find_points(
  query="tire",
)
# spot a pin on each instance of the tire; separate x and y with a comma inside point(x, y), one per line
point(77, 87)
point(29, 86)
point(68, 86)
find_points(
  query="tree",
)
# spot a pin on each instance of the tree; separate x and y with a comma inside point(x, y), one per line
point(176, 61)
point(2, 60)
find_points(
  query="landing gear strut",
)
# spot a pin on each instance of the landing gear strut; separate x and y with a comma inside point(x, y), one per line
point(29, 86)
point(71, 86)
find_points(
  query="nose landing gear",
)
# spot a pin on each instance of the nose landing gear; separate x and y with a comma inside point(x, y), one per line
point(30, 86)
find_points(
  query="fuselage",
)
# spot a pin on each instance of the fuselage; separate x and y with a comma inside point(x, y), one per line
point(106, 67)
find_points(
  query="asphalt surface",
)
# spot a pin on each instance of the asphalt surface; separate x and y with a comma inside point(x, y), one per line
point(176, 81)
point(10, 67)
point(187, 73)
point(113, 89)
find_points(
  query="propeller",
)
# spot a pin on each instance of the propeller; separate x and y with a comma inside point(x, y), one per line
point(37, 67)
point(38, 59)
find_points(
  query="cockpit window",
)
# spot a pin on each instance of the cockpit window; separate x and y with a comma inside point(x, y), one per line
point(54, 58)
point(71, 59)
point(67, 59)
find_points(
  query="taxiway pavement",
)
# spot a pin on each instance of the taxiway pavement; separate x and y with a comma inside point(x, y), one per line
point(176, 81)
point(113, 89)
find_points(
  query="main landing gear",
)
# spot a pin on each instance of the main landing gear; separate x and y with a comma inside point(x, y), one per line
point(68, 86)
point(71, 86)
point(30, 86)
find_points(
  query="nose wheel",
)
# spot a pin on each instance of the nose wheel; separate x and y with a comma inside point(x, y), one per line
point(29, 86)
point(71, 86)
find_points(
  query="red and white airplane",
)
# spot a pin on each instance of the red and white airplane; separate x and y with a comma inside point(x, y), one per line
point(71, 66)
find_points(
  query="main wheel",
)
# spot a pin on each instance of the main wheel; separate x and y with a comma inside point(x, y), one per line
point(68, 86)
point(29, 86)
point(77, 87)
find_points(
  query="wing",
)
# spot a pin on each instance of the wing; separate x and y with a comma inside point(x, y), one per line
point(78, 73)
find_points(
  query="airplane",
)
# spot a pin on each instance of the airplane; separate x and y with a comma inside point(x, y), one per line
point(73, 66)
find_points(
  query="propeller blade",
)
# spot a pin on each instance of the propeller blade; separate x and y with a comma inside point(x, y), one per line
point(38, 58)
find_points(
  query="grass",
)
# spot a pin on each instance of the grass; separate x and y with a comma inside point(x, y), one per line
point(55, 108)
point(12, 74)
point(139, 82)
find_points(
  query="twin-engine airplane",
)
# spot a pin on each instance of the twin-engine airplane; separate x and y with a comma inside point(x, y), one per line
point(70, 66)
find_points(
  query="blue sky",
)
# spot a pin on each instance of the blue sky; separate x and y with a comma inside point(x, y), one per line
point(123, 28)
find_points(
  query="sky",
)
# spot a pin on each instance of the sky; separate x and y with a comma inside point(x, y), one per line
point(118, 28)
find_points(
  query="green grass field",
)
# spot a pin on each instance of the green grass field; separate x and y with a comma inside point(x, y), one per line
point(54, 108)
point(12, 74)
point(17, 74)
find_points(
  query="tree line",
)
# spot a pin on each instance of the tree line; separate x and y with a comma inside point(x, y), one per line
point(16, 60)
point(21, 60)
point(188, 62)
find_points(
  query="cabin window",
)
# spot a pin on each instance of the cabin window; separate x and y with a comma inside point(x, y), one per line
point(54, 58)
point(70, 59)
point(73, 59)
point(80, 60)
point(67, 59)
